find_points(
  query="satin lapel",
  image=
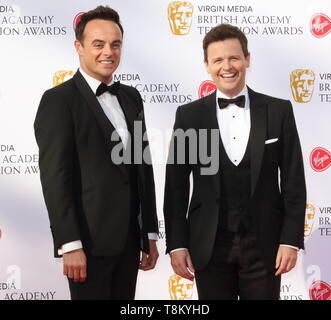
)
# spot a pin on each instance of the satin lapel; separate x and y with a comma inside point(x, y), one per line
point(105, 125)
point(209, 121)
point(258, 112)
point(131, 113)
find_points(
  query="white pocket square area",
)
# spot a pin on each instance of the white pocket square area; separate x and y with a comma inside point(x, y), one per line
point(271, 140)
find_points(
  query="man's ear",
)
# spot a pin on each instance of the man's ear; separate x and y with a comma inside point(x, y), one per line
point(206, 66)
point(78, 47)
point(248, 59)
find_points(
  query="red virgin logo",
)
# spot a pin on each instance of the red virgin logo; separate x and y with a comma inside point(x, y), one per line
point(320, 159)
point(77, 19)
point(320, 25)
point(320, 290)
point(206, 88)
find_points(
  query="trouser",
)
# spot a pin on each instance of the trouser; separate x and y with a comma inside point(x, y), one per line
point(237, 270)
point(110, 278)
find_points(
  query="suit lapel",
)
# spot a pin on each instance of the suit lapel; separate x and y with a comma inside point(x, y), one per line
point(129, 109)
point(258, 112)
point(209, 122)
point(105, 125)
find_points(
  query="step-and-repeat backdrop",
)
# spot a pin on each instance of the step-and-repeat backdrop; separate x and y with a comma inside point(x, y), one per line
point(290, 45)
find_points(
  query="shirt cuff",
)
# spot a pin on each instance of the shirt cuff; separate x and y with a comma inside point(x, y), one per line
point(152, 236)
point(178, 249)
point(286, 245)
point(70, 246)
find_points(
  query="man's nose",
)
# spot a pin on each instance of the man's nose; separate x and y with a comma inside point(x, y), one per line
point(107, 50)
point(227, 64)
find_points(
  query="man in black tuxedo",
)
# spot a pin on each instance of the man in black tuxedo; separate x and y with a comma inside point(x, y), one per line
point(244, 223)
point(102, 210)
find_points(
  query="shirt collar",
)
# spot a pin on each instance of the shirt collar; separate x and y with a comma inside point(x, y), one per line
point(92, 82)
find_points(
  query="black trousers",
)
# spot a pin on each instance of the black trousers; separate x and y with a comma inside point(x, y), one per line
point(236, 271)
point(110, 278)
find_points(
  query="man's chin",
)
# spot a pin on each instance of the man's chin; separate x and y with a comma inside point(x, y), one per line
point(229, 90)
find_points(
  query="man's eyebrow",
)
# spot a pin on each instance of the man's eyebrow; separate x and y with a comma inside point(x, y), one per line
point(103, 41)
point(97, 40)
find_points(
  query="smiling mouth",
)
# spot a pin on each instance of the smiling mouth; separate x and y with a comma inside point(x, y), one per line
point(229, 75)
point(106, 62)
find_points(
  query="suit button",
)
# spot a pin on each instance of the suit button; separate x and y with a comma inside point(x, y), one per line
point(126, 182)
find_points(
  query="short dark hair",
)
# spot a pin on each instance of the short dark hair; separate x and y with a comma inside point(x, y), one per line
point(100, 12)
point(223, 32)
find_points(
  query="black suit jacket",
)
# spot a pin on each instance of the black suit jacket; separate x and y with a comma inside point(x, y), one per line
point(86, 194)
point(278, 210)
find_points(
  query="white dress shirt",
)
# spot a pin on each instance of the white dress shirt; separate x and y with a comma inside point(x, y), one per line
point(112, 109)
point(234, 124)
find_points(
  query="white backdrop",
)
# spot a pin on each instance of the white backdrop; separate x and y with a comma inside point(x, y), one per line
point(36, 40)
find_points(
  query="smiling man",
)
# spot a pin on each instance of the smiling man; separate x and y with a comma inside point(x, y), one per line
point(94, 203)
point(242, 227)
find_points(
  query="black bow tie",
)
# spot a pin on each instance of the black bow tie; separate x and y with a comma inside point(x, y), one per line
point(113, 89)
point(239, 101)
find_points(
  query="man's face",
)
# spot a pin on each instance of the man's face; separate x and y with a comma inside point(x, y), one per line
point(100, 50)
point(227, 66)
point(303, 88)
point(182, 20)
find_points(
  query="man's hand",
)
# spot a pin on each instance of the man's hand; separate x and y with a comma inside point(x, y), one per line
point(286, 259)
point(182, 264)
point(74, 265)
point(148, 260)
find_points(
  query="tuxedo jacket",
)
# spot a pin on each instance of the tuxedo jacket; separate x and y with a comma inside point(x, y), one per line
point(88, 195)
point(278, 193)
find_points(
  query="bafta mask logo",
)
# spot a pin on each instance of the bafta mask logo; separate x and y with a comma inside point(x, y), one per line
point(309, 219)
point(302, 85)
point(61, 76)
point(180, 17)
point(180, 288)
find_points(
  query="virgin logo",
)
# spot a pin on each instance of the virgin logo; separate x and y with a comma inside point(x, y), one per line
point(320, 290)
point(206, 88)
point(320, 25)
point(77, 19)
point(320, 159)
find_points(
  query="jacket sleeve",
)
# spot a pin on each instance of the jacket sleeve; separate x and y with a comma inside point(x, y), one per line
point(292, 183)
point(146, 182)
point(54, 131)
point(177, 189)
